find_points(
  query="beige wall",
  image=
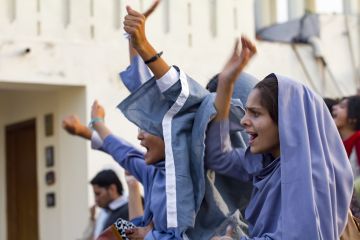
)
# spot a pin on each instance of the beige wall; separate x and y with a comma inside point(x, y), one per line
point(70, 214)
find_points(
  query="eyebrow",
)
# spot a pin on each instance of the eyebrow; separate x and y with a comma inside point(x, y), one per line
point(252, 109)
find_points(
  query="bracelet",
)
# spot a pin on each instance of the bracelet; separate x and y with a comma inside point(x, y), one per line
point(153, 58)
point(95, 120)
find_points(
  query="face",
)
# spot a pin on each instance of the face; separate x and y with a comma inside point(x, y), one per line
point(102, 196)
point(154, 145)
point(263, 132)
point(340, 114)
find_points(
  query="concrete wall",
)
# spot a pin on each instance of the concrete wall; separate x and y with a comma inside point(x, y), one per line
point(69, 215)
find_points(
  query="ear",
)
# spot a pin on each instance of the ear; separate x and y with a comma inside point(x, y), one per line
point(113, 190)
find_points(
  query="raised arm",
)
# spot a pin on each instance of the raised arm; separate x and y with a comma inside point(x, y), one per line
point(147, 13)
point(73, 126)
point(134, 25)
point(136, 208)
point(229, 74)
point(98, 116)
point(123, 153)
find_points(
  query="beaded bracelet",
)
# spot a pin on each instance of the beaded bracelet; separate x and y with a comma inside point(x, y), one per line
point(95, 120)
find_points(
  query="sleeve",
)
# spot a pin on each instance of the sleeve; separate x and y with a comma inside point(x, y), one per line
point(96, 141)
point(127, 156)
point(173, 94)
point(220, 156)
point(168, 80)
point(176, 86)
point(135, 74)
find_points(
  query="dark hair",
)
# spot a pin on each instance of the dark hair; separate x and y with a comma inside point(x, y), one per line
point(330, 102)
point(354, 110)
point(107, 177)
point(269, 95)
point(212, 84)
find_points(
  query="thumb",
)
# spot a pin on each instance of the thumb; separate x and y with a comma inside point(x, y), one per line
point(128, 9)
point(132, 12)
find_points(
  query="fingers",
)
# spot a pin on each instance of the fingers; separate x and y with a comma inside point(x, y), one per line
point(229, 231)
point(97, 110)
point(151, 9)
point(236, 47)
point(135, 233)
point(247, 44)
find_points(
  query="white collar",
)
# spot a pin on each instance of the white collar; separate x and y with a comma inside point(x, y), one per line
point(119, 202)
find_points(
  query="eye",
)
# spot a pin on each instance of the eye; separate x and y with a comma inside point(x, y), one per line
point(256, 114)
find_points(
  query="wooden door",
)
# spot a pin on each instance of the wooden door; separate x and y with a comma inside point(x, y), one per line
point(21, 178)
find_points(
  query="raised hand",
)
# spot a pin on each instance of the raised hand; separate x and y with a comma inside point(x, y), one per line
point(134, 25)
point(151, 9)
point(229, 74)
point(72, 124)
point(97, 111)
point(238, 60)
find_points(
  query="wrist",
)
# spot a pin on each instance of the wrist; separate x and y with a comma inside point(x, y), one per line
point(146, 51)
point(94, 122)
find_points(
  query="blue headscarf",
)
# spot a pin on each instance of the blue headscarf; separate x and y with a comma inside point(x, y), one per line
point(312, 176)
point(316, 177)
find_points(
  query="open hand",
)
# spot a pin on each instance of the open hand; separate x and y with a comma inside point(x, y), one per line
point(238, 60)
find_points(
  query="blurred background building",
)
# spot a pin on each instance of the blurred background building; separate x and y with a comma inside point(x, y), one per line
point(57, 56)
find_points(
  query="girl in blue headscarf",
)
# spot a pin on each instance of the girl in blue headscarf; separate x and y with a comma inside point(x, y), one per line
point(301, 176)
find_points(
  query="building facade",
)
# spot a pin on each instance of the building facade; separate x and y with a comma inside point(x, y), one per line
point(57, 56)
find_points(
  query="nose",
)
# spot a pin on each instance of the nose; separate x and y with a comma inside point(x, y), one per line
point(140, 135)
point(245, 121)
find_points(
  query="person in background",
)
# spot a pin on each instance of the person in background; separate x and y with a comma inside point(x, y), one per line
point(108, 192)
point(330, 102)
point(346, 115)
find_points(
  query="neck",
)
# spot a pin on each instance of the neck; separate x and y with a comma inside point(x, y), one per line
point(346, 132)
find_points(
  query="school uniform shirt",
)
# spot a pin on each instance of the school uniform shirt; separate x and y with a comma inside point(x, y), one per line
point(168, 107)
point(135, 74)
point(152, 177)
point(306, 192)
